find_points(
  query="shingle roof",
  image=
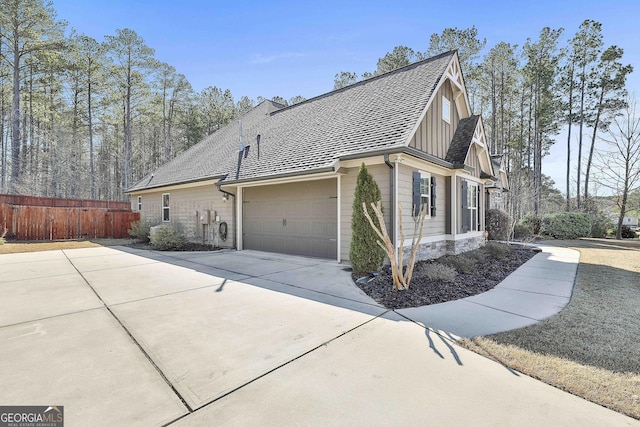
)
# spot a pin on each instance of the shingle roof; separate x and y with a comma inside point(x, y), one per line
point(461, 141)
point(374, 114)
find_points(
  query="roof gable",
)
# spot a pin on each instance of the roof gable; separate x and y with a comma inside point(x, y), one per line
point(470, 131)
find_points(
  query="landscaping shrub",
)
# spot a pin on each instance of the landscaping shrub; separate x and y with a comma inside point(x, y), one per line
point(461, 263)
point(168, 238)
point(567, 225)
point(437, 271)
point(627, 233)
point(2, 239)
point(600, 224)
point(532, 223)
point(140, 230)
point(522, 231)
point(498, 224)
point(497, 250)
point(364, 253)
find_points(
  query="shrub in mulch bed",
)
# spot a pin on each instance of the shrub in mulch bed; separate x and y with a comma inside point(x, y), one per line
point(494, 265)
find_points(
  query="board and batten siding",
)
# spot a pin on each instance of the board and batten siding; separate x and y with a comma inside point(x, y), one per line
point(382, 175)
point(183, 204)
point(433, 226)
point(434, 135)
point(473, 161)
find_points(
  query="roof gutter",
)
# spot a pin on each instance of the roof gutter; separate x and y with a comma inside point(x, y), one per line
point(278, 176)
point(399, 150)
point(134, 190)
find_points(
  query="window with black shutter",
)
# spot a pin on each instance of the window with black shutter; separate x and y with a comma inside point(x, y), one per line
point(423, 195)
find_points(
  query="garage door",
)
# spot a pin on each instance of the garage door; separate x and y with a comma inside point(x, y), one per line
point(298, 218)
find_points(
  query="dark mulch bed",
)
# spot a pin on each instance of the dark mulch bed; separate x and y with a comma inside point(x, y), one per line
point(490, 269)
point(189, 247)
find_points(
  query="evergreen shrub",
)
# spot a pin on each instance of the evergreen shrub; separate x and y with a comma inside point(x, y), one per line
point(140, 230)
point(168, 238)
point(627, 233)
point(498, 224)
point(567, 225)
point(364, 253)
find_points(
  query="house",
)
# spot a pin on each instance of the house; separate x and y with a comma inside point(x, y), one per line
point(630, 221)
point(496, 188)
point(283, 179)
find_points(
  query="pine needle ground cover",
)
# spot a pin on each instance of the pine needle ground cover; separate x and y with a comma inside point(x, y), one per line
point(592, 347)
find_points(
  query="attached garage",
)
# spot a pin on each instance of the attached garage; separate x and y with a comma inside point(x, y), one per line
point(298, 218)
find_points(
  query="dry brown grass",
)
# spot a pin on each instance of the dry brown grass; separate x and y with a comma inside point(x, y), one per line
point(16, 247)
point(591, 348)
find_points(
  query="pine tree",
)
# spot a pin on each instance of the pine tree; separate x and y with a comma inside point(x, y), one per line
point(365, 254)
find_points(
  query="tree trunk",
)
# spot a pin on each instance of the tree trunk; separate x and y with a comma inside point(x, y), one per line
point(580, 137)
point(127, 130)
point(15, 118)
point(623, 207)
point(91, 156)
point(593, 144)
point(569, 124)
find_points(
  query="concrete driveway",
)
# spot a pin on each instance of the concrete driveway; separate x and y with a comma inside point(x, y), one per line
point(126, 337)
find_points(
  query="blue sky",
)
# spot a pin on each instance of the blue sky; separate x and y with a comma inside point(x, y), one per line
point(289, 48)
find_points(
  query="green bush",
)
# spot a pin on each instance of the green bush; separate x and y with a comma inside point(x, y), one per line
point(627, 233)
point(140, 230)
point(567, 225)
point(437, 271)
point(533, 223)
point(497, 250)
point(364, 253)
point(600, 225)
point(168, 238)
point(461, 263)
point(498, 224)
point(522, 231)
point(2, 239)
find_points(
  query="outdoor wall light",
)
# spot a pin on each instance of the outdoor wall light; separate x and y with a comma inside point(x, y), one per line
point(224, 198)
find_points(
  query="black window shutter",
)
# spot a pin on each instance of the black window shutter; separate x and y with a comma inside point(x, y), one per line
point(433, 196)
point(478, 206)
point(416, 194)
point(465, 208)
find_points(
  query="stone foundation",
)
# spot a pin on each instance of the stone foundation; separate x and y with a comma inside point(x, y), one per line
point(437, 249)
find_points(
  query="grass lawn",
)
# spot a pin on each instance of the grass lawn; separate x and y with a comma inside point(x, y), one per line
point(592, 347)
point(13, 247)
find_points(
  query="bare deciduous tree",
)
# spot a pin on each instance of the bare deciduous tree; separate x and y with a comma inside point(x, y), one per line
point(401, 280)
point(619, 165)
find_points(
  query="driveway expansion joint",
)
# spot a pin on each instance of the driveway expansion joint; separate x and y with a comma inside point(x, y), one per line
point(133, 339)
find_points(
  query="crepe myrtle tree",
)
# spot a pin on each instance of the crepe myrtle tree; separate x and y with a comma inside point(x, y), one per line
point(364, 253)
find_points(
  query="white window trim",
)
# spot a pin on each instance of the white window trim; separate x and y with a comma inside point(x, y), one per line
point(472, 188)
point(139, 203)
point(427, 176)
point(168, 207)
point(446, 107)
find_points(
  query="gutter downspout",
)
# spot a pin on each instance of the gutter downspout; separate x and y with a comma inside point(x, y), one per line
point(233, 212)
point(393, 197)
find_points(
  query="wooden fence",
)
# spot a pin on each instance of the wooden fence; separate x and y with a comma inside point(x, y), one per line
point(44, 218)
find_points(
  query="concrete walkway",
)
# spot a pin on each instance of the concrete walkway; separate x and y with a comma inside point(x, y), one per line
point(538, 289)
point(125, 337)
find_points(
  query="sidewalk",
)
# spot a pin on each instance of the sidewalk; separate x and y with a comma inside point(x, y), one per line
point(538, 289)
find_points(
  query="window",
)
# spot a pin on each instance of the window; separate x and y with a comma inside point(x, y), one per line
point(470, 220)
point(472, 205)
point(139, 203)
point(423, 193)
point(165, 207)
point(446, 109)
